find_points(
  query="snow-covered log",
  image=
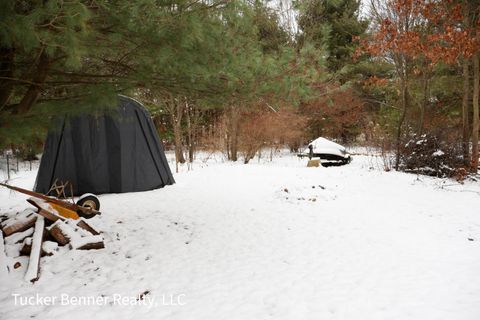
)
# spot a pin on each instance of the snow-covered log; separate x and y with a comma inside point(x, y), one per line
point(48, 248)
point(85, 226)
point(19, 236)
point(3, 260)
point(58, 234)
point(21, 222)
point(80, 235)
point(33, 269)
point(26, 247)
point(88, 243)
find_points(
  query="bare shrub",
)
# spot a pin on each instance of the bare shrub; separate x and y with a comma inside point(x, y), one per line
point(431, 155)
point(265, 128)
point(381, 145)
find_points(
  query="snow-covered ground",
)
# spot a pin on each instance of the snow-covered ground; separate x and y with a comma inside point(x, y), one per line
point(268, 240)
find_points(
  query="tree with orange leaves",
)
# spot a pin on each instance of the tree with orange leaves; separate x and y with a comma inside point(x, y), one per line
point(412, 33)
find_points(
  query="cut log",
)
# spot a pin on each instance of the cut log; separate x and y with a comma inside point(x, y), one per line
point(26, 247)
point(85, 226)
point(33, 270)
point(78, 234)
point(92, 246)
point(21, 222)
point(18, 237)
point(88, 243)
point(78, 231)
point(48, 247)
point(3, 261)
point(58, 234)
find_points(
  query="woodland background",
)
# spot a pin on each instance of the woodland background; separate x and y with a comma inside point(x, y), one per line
point(246, 77)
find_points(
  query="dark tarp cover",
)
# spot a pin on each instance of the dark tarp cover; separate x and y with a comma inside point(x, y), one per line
point(109, 153)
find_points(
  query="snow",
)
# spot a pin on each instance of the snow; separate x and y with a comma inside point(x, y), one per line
point(235, 241)
point(49, 247)
point(419, 142)
point(438, 153)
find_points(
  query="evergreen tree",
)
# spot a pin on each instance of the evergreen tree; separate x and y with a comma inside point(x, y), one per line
point(331, 25)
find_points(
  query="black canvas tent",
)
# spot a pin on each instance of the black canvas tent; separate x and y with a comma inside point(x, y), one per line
point(116, 151)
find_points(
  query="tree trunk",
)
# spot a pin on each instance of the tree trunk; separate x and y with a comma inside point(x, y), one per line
point(466, 94)
point(423, 106)
point(6, 70)
point(465, 114)
point(192, 114)
point(189, 135)
point(233, 124)
point(176, 109)
point(404, 92)
point(475, 122)
point(177, 133)
point(34, 90)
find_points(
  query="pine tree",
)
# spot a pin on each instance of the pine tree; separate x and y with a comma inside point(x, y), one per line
point(331, 25)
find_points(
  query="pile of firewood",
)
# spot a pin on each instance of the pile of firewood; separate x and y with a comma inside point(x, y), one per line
point(37, 233)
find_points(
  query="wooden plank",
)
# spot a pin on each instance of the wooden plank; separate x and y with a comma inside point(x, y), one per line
point(33, 270)
point(49, 215)
point(45, 210)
